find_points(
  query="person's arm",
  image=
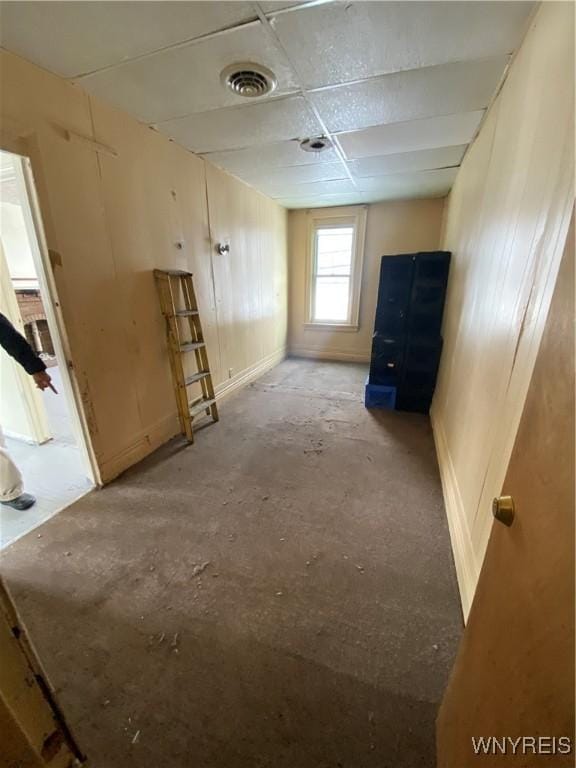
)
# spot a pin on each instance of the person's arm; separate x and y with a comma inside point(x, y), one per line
point(18, 348)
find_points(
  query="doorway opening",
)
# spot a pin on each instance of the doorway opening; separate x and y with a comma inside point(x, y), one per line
point(41, 430)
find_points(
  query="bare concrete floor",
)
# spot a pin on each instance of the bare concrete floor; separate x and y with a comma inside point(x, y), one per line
point(281, 594)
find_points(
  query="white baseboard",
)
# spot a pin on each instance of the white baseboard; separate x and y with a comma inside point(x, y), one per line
point(226, 388)
point(464, 559)
point(22, 438)
point(323, 354)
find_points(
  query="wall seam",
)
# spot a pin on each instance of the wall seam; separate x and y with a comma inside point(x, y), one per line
point(212, 278)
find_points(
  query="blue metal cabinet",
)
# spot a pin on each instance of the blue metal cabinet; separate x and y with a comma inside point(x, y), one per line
point(407, 344)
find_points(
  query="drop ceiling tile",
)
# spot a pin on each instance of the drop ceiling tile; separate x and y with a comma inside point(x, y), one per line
point(186, 80)
point(318, 188)
point(72, 38)
point(259, 159)
point(422, 184)
point(248, 126)
point(296, 174)
point(397, 187)
point(425, 92)
point(325, 41)
point(395, 138)
point(421, 160)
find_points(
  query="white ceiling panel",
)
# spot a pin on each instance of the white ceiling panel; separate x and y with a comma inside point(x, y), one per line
point(436, 182)
point(72, 38)
point(269, 156)
point(346, 41)
point(255, 124)
point(421, 160)
point(445, 131)
point(296, 174)
point(397, 187)
point(441, 90)
point(185, 80)
point(333, 187)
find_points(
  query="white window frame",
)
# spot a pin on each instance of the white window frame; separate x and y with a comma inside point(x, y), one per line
point(354, 216)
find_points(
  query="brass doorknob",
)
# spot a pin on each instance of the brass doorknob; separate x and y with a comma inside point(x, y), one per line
point(503, 509)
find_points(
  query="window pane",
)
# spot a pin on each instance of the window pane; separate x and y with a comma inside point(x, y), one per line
point(331, 298)
point(334, 250)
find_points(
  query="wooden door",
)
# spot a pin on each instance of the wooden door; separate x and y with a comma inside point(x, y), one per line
point(514, 673)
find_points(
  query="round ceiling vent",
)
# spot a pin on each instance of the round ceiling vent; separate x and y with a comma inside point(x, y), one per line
point(248, 80)
point(316, 144)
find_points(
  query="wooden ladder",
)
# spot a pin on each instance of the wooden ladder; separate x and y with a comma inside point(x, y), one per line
point(171, 283)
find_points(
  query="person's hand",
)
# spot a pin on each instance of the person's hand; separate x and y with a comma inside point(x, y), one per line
point(43, 381)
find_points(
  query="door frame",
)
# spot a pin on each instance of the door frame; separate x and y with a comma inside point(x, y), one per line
point(36, 728)
point(41, 255)
point(29, 397)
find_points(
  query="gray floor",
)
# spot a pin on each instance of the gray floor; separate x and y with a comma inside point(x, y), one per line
point(280, 594)
point(53, 472)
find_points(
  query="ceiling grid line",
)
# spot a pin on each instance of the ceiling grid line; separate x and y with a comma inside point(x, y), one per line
point(384, 75)
point(328, 88)
point(199, 39)
point(325, 132)
point(165, 49)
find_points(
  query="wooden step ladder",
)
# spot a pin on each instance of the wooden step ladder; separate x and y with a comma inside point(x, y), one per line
point(174, 286)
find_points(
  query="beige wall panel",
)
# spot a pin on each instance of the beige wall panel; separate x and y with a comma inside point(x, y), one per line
point(273, 266)
point(234, 217)
point(403, 226)
point(55, 101)
point(506, 222)
point(68, 182)
point(92, 298)
point(155, 201)
point(113, 217)
point(514, 673)
point(249, 282)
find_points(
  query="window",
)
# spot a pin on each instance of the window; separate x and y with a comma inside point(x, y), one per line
point(335, 268)
point(332, 271)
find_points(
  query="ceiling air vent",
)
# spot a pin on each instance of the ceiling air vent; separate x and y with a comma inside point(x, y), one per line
point(248, 80)
point(316, 144)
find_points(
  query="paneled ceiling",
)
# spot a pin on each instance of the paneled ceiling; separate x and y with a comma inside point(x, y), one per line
point(399, 88)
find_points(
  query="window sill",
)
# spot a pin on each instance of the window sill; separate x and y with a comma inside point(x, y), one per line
point(347, 327)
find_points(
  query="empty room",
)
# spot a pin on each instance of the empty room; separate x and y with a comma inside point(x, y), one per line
point(287, 384)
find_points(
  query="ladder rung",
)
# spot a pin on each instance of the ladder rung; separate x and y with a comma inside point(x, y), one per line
point(185, 313)
point(191, 346)
point(196, 377)
point(200, 406)
point(172, 273)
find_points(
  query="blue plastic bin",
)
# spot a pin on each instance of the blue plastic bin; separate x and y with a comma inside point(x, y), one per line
point(379, 396)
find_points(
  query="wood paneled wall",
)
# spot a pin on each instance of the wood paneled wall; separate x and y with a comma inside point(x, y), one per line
point(110, 218)
point(400, 226)
point(514, 672)
point(506, 223)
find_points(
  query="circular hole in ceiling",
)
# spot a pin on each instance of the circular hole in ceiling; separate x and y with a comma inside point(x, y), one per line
point(315, 144)
point(248, 80)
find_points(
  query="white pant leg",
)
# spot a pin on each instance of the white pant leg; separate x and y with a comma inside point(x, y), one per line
point(10, 478)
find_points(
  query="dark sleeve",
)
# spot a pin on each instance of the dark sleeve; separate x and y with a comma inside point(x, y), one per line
point(17, 346)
